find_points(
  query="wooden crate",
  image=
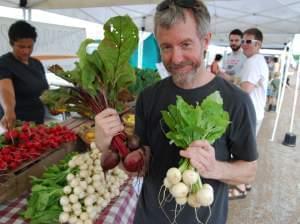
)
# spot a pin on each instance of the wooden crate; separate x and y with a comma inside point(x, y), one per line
point(17, 181)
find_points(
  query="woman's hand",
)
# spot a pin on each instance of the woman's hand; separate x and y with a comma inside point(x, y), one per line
point(107, 125)
point(8, 119)
point(202, 157)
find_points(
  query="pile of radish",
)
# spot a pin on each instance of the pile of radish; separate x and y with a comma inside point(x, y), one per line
point(29, 141)
point(90, 190)
point(188, 123)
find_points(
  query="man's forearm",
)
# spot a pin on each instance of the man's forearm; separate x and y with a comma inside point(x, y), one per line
point(237, 172)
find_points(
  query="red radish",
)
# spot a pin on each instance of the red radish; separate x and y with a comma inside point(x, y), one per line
point(30, 142)
point(109, 160)
point(3, 165)
point(134, 161)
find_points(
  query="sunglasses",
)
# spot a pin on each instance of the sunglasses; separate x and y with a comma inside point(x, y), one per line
point(182, 3)
point(249, 41)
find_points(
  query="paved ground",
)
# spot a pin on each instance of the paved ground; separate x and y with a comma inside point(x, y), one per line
point(275, 196)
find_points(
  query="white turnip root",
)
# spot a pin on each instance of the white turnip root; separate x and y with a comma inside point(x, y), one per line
point(205, 195)
point(190, 177)
point(179, 190)
point(193, 201)
point(173, 175)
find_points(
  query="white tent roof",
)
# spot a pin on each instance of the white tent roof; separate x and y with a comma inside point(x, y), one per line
point(278, 19)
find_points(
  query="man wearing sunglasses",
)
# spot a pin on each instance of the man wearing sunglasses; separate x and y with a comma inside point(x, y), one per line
point(182, 31)
point(233, 61)
point(255, 72)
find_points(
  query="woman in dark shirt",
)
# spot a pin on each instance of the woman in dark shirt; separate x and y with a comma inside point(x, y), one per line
point(22, 78)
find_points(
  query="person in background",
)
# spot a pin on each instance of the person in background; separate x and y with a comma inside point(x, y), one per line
point(234, 61)
point(255, 73)
point(215, 67)
point(254, 81)
point(182, 31)
point(274, 66)
point(22, 78)
point(274, 86)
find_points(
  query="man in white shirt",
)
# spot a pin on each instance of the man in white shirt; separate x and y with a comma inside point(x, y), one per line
point(254, 80)
point(234, 60)
point(254, 74)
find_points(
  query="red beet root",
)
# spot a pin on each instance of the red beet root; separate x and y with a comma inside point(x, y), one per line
point(134, 161)
point(109, 160)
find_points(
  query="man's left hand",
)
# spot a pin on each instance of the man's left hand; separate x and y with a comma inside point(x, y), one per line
point(202, 157)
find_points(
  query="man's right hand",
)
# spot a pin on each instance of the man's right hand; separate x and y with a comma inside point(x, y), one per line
point(8, 120)
point(107, 125)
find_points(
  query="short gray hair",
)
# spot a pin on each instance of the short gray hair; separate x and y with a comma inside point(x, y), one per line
point(174, 12)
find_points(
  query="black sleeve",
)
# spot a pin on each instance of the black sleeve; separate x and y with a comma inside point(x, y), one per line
point(4, 71)
point(242, 132)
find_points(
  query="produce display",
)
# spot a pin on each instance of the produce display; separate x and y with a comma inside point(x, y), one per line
point(186, 124)
point(43, 204)
point(29, 141)
point(74, 191)
point(128, 120)
point(87, 133)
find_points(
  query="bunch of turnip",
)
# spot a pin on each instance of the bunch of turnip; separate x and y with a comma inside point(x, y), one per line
point(188, 123)
point(89, 191)
point(185, 186)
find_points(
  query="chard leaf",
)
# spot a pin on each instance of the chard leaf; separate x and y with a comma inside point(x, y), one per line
point(121, 38)
point(88, 69)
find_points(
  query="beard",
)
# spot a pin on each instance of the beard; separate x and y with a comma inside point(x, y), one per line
point(183, 78)
point(235, 47)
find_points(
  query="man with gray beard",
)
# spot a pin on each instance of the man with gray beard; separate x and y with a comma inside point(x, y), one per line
point(182, 30)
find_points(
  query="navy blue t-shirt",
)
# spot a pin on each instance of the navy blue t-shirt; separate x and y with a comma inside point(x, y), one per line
point(29, 81)
point(238, 143)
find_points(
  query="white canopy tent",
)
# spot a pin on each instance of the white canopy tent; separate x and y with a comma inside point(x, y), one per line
point(278, 19)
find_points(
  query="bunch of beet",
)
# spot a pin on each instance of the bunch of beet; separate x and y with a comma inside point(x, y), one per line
point(127, 150)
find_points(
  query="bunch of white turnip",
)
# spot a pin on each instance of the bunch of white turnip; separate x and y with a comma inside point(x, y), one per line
point(186, 187)
point(90, 190)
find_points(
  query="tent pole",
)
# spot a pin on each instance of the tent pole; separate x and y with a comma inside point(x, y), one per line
point(140, 50)
point(24, 13)
point(284, 58)
point(29, 14)
point(295, 98)
point(281, 95)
